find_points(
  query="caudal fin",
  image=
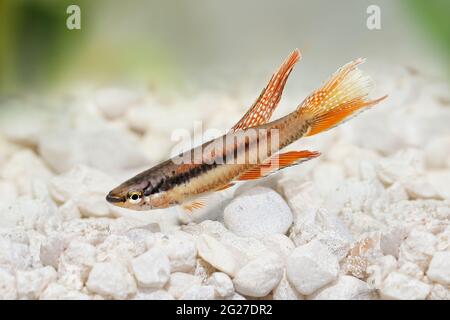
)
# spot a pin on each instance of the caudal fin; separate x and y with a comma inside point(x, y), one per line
point(342, 97)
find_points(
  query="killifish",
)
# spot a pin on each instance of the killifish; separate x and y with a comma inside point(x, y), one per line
point(252, 148)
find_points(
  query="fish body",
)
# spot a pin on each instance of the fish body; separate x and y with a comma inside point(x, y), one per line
point(251, 149)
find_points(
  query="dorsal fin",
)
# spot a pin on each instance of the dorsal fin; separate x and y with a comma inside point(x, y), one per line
point(263, 108)
point(278, 162)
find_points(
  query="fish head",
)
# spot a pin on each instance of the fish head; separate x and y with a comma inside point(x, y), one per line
point(137, 195)
point(126, 197)
point(129, 194)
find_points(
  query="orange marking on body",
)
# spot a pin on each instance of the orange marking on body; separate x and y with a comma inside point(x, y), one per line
point(186, 167)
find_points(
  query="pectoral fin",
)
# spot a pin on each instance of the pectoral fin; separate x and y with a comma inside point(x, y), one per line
point(194, 205)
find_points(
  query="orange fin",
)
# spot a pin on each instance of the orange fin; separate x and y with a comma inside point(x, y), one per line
point(342, 97)
point(226, 186)
point(265, 105)
point(194, 205)
point(278, 162)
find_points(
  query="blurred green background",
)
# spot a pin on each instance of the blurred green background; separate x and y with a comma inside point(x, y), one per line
point(209, 43)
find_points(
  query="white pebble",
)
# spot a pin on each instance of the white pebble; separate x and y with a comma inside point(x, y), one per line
point(56, 291)
point(85, 187)
point(259, 276)
point(396, 192)
point(222, 284)
point(311, 266)
point(28, 214)
point(285, 291)
point(8, 191)
point(257, 213)
point(327, 177)
point(72, 276)
point(391, 240)
point(69, 210)
point(236, 296)
point(439, 269)
point(80, 253)
point(420, 188)
point(114, 102)
point(411, 269)
point(14, 255)
point(439, 292)
point(180, 282)
point(345, 288)
point(217, 254)
point(439, 180)
point(98, 147)
point(50, 251)
point(279, 244)
point(151, 142)
point(437, 152)
point(22, 167)
point(354, 194)
point(24, 123)
point(151, 269)
point(199, 293)
point(111, 279)
point(181, 250)
point(8, 289)
point(30, 284)
point(118, 248)
point(418, 248)
point(153, 295)
point(402, 287)
point(404, 165)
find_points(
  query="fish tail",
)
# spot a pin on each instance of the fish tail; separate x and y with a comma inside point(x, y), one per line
point(343, 96)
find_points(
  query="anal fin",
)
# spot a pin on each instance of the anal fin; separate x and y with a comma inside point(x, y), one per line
point(278, 162)
point(229, 185)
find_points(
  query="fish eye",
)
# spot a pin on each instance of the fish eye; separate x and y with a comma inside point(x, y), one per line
point(134, 197)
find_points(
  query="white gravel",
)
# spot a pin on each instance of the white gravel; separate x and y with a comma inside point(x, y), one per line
point(439, 268)
point(222, 284)
point(151, 269)
point(311, 266)
point(258, 277)
point(258, 212)
point(400, 286)
point(111, 279)
point(217, 254)
point(369, 219)
point(344, 288)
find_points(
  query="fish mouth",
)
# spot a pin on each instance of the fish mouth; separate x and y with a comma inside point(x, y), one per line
point(114, 199)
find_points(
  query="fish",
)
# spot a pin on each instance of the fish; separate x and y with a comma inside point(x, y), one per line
point(252, 148)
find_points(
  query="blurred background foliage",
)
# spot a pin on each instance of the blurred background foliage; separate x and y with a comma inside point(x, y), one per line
point(172, 43)
point(434, 16)
point(38, 50)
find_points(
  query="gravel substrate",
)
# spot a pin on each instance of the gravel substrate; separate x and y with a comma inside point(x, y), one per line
point(368, 219)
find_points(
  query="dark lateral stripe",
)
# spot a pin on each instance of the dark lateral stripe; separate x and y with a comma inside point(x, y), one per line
point(168, 183)
point(184, 177)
